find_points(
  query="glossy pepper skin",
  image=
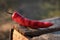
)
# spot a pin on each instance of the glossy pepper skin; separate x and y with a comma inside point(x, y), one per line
point(34, 24)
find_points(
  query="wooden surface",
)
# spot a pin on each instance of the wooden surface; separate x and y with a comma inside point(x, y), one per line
point(18, 36)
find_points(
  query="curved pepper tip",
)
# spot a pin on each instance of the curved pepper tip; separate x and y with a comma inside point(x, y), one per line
point(48, 24)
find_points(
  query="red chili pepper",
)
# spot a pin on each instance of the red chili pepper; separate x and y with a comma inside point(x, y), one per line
point(29, 23)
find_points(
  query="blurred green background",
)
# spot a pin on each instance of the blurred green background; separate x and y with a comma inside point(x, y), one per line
point(32, 9)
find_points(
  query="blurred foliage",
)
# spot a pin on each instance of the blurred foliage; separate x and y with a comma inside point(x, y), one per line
point(33, 9)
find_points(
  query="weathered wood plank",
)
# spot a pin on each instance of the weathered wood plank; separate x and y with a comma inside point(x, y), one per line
point(18, 36)
point(29, 33)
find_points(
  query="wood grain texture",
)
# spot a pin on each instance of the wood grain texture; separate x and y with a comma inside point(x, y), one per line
point(18, 36)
